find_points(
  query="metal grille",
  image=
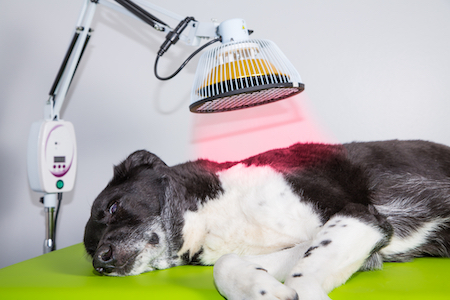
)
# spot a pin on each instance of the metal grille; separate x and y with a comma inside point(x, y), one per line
point(243, 74)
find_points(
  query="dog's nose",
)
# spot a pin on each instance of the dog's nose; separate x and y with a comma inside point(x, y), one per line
point(104, 261)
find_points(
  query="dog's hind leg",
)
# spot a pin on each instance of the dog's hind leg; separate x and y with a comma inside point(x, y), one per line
point(258, 276)
point(338, 250)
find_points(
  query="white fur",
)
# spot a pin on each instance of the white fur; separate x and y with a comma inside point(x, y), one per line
point(150, 257)
point(249, 275)
point(419, 237)
point(256, 217)
point(327, 267)
point(351, 243)
point(241, 278)
point(257, 214)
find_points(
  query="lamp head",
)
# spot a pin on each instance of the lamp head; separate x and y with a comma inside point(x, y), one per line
point(242, 73)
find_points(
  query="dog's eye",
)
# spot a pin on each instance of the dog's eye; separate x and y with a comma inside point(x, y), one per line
point(113, 208)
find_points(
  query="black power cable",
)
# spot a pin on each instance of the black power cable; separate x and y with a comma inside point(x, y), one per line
point(56, 221)
point(185, 62)
point(173, 36)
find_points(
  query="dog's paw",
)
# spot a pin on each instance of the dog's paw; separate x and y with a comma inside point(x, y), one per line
point(237, 279)
point(306, 288)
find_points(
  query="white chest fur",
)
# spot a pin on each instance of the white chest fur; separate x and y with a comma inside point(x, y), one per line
point(257, 214)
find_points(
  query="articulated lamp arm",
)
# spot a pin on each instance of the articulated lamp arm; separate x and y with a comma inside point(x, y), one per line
point(197, 31)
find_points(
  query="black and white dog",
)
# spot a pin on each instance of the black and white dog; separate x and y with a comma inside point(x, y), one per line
point(309, 215)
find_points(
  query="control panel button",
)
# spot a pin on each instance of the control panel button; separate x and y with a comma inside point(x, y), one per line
point(60, 184)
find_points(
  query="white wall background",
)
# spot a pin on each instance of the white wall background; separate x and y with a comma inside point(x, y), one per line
point(374, 69)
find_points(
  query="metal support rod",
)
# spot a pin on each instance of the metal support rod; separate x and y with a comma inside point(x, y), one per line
point(64, 64)
point(62, 86)
point(86, 41)
point(142, 14)
point(113, 5)
point(49, 242)
point(160, 9)
point(49, 208)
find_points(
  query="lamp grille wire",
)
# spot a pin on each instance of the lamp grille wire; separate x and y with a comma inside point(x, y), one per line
point(243, 74)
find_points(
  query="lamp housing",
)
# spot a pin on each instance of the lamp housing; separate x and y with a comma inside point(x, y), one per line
point(243, 74)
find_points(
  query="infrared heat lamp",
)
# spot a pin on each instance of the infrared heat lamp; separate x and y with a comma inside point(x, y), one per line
point(240, 73)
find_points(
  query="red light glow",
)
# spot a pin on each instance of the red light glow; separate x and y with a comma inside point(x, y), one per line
point(236, 135)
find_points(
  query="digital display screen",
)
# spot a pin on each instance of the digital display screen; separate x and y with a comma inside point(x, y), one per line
point(59, 159)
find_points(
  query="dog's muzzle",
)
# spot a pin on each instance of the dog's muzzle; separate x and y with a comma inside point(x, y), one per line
point(104, 260)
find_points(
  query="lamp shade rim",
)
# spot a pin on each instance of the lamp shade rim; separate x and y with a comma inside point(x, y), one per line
point(198, 106)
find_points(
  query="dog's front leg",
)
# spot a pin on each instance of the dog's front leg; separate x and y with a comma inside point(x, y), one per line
point(258, 276)
point(339, 249)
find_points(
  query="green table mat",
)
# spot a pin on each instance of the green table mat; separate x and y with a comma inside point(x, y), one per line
point(68, 274)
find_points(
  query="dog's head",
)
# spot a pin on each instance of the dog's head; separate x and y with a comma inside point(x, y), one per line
point(126, 233)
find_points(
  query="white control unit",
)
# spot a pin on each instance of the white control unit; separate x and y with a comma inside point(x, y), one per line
point(52, 156)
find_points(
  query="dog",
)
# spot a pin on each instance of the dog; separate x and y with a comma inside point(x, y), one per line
point(290, 223)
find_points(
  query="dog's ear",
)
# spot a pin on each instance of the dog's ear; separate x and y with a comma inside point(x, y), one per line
point(143, 157)
point(136, 159)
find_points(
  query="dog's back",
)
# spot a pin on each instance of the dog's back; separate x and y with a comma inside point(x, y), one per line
point(410, 185)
